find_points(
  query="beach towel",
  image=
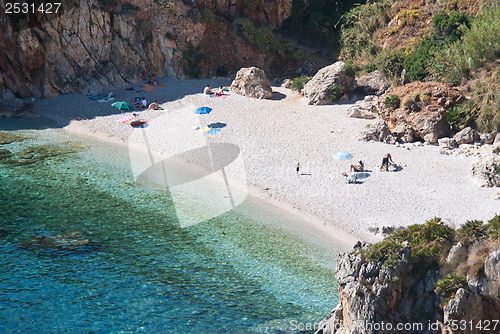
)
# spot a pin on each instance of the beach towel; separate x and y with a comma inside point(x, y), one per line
point(147, 87)
point(97, 97)
point(107, 99)
point(138, 122)
point(126, 119)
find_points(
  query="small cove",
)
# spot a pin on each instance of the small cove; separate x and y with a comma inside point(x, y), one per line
point(241, 272)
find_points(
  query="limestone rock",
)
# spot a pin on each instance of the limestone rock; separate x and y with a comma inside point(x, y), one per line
point(89, 47)
point(365, 108)
point(496, 142)
point(492, 267)
point(466, 136)
point(252, 82)
point(448, 143)
point(422, 108)
point(287, 83)
point(377, 132)
point(486, 138)
point(457, 254)
point(486, 172)
point(316, 90)
point(373, 83)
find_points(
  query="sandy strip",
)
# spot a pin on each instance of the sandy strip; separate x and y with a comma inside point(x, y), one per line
point(273, 135)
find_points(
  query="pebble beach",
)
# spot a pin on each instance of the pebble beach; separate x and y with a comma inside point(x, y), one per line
point(274, 134)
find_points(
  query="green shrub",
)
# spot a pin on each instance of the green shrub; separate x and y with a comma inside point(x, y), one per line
point(392, 101)
point(429, 243)
point(493, 227)
point(221, 71)
point(479, 44)
point(192, 58)
point(302, 56)
point(461, 116)
point(447, 28)
point(391, 63)
point(472, 231)
point(350, 69)
point(298, 83)
point(416, 63)
point(385, 251)
point(263, 37)
point(485, 93)
point(207, 16)
point(449, 285)
point(359, 26)
point(334, 92)
point(422, 237)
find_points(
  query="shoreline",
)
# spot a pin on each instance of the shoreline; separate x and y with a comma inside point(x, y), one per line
point(274, 134)
point(318, 224)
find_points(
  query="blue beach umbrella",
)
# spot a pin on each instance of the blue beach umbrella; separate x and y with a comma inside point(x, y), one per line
point(213, 130)
point(203, 110)
point(342, 155)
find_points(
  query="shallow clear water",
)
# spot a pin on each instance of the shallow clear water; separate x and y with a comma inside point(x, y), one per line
point(242, 272)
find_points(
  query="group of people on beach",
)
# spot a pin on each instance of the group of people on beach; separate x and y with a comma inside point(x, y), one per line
point(144, 104)
point(361, 166)
point(218, 92)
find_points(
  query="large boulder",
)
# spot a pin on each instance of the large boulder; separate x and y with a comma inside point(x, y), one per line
point(486, 172)
point(373, 83)
point(423, 105)
point(365, 108)
point(318, 89)
point(466, 136)
point(252, 82)
point(496, 142)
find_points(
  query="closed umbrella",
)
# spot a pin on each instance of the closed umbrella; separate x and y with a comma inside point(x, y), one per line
point(122, 106)
point(203, 110)
point(342, 155)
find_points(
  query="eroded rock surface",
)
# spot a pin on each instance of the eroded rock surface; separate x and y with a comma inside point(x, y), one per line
point(252, 82)
point(318, 89)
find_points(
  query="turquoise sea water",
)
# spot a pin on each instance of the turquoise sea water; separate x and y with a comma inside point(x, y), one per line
point(243, 272)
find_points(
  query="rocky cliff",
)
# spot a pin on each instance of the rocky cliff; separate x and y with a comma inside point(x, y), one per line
point(98, 43)
point(404, 285)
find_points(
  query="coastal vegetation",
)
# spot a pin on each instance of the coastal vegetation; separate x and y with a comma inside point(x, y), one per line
point(461, 46)
point(298, 83)
point(429, 246)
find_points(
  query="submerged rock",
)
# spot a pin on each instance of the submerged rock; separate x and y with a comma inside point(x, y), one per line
point(7, 138)
point(34, 154)
point(73, 241)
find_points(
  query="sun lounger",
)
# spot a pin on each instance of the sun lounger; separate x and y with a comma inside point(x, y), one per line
point(353, 178)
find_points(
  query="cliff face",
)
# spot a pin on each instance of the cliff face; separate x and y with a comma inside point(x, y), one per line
point(98, 43)
point(377, 299)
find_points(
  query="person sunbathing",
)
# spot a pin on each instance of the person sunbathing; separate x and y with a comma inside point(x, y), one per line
point(154, 80)
point(219, 92)
point(357, 168)
point(142, 104)
point(207, 90)
point(153, 106)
